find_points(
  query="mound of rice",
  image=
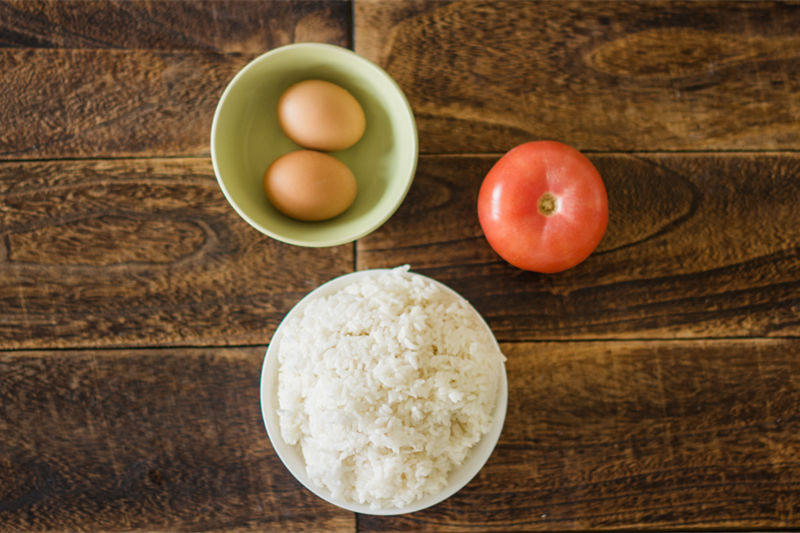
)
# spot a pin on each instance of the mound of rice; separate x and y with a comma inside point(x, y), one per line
point(386, 385)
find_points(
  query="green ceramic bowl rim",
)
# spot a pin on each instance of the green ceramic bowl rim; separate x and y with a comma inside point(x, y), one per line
point(364, 61)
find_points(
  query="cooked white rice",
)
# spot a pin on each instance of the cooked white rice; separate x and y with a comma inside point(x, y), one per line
point(386, 385)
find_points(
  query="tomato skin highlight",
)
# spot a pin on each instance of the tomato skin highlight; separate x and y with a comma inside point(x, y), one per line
point(543, 207)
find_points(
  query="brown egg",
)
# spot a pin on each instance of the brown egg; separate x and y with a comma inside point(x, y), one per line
point(309, 185)
point(320, 115)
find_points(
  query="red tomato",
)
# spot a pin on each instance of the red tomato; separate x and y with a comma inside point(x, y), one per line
point(543, 207)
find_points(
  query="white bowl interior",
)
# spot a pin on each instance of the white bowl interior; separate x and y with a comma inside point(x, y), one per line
point(291, 455)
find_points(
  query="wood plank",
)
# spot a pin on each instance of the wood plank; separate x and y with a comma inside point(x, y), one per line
point(224, 26)
point(618, 76)
point(140, 253)
point(598, 434)
point(698, 245)
point(83, 79)
point(634, 435)
point(155, 440)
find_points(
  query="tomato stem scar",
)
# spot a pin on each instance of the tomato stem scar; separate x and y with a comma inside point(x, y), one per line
point(548, 204)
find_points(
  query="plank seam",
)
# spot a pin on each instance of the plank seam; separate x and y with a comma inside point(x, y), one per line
point(635, 152)
point(351, 31)
point(150, 347)
point(105, 158)
point(707, 153)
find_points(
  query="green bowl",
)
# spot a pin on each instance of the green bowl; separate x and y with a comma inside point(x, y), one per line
point(246, 139)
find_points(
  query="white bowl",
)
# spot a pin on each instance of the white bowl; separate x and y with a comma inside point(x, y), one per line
point(291, 455)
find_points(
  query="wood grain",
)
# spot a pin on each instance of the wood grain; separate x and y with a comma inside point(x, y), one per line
point(154, 440)
point(484, 76)
point(140, 253)
point(89, 79)
point(635, 435)
point(223, 26)
point(598, 435)
point(699, 245)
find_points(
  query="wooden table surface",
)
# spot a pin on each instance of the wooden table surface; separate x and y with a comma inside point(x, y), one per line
point(656, 385)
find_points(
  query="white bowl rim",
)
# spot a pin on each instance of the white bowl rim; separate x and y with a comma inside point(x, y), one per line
point(369, 64)
point(281, 447)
